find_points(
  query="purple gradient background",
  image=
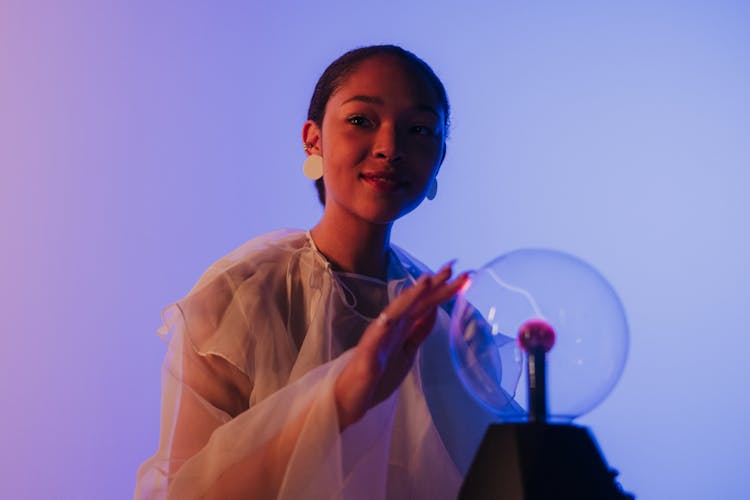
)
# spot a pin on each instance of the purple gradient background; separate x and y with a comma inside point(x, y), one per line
point(141, 141)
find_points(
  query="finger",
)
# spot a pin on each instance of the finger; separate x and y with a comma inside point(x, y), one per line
point(381, 331)
point(410, 305)
point(424, 287)
point(437, 295)
point(422, 324)
point(443, 274)
point(428, 292)
point(421, 330)
point(405, 300)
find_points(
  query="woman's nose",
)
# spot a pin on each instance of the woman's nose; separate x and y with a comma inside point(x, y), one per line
point(387, 144)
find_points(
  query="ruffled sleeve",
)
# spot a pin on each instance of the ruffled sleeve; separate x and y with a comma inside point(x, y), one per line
point(236, 423)
point(205, 434)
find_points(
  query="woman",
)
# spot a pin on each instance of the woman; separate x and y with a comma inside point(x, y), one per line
point(291, 364)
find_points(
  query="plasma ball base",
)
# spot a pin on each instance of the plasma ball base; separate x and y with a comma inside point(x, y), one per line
point(538, 461)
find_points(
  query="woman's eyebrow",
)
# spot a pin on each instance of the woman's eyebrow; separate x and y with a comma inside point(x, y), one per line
point(427, 108)
point(377, 100)
point(364, 98)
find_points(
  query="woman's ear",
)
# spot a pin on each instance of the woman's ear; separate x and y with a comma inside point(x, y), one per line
point(311, 138)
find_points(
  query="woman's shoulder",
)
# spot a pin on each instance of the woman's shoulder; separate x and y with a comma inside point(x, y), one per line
point(268, 252)
point(229, 298)
point(276, 242)
point(255, 272)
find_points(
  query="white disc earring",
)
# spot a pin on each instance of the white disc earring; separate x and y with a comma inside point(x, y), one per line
point(313, 167)
point(432, 190)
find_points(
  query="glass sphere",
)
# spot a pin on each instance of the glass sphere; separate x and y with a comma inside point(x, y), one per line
point(590, 333)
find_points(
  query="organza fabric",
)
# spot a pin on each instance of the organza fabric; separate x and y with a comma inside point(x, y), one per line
point(253, 353)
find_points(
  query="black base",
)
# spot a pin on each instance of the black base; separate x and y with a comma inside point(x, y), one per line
point(537, 461)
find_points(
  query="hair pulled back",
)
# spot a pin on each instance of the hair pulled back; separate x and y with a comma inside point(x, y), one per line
point(338, 71)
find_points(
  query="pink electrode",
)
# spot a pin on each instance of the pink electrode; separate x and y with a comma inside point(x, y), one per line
point(536, 334)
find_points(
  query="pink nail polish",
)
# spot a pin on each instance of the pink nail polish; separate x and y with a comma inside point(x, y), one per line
point(449, 264)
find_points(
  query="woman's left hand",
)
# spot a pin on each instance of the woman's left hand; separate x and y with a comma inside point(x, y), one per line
point(387, 349)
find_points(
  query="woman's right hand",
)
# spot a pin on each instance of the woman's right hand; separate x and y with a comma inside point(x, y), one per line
point(387, 349)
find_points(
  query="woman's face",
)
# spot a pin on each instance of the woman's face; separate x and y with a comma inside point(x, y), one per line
point(382, 141)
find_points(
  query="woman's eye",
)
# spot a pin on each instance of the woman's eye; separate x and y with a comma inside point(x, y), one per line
point(359, 121)
point(422, 130)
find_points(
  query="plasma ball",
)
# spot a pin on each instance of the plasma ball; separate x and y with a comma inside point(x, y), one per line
point(536, 334)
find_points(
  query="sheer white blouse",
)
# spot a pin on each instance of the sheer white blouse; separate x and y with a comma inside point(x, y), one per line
point(255, 348)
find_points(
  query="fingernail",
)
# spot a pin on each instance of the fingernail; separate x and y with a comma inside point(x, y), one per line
point(448, 265)
point(465, 282)
point(383, 319)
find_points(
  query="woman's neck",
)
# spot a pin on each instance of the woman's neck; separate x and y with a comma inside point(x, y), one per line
point(354, 246)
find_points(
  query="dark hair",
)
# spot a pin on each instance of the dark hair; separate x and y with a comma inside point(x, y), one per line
point(335, 74)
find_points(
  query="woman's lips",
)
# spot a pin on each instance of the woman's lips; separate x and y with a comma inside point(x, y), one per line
point(383, 182)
